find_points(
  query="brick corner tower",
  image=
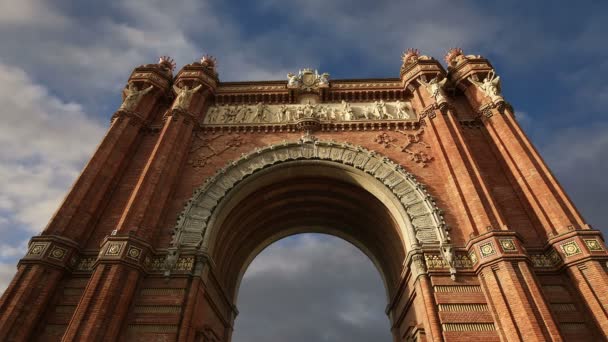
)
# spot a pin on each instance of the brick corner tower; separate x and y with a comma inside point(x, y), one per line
point(429, 174)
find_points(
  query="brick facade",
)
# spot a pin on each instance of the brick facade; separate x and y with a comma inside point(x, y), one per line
point(505, 257)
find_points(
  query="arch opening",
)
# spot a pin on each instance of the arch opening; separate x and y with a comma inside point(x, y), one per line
point(311, 287)
point(310, 186)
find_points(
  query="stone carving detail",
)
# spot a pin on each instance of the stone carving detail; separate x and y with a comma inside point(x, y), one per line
point(429, 227)
point(331, 112)
point(435, 89)
point(308, 80)
point(418, 156)
point(86, 264)
point(411, 56)
point(550, 259)
point(132, 96)
point(203, 148)
point(570, 248)
point(184, 96)
point(455, 56)
point(490, 86)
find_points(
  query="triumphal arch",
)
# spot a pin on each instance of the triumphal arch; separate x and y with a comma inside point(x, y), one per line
point(429, 174)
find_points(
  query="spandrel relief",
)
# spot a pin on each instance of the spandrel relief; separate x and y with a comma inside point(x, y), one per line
point(331, 112)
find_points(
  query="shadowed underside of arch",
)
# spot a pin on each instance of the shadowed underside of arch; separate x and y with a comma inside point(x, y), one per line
point(310, 186)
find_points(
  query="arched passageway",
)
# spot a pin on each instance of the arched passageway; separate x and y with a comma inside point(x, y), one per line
point(311, 287)
point(304, 187)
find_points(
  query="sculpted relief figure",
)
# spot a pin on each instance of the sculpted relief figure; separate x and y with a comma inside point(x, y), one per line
point(323, 79)
point(382, 110)
point(403, 109)
point(133, 96)
point(490, 86)
point(435, 89)
point(284, 113)
point(347, 111)
point(184, 96)
point(293, 80)
point(260, 111)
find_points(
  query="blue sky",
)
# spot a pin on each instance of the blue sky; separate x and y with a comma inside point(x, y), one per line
point(63, 64)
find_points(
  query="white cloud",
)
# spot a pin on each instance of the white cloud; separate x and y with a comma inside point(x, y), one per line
point(31, 13)
point(44, 142)
point(7, 271)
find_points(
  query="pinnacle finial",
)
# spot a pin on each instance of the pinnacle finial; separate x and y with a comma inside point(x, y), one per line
point(450, 57)
point(410, 55)
point(209, 61)
point(166, 62)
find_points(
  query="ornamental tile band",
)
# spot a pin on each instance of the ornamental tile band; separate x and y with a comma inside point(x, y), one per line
point(508, 245)
point(570, 248)
point(38, 248)
point(134, 252)
point(487, 249)
point(114, 249)
point(593, 245)
point(57, 253)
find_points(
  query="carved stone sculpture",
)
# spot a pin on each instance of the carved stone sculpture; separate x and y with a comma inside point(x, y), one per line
point(490, 86)
point(347, 111)
point(435, 89)
point(284, 113)
point(403, 109)
point(133, 96)
point(184, 96)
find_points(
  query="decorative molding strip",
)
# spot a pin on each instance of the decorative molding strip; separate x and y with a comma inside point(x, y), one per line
point(457, 288)
point(563, 307)
point(157, 309)
point(573, 326)
point(162, 292)
point(463, 307)
point(152, 328)
point(324, 126)
point(550, 259)
point(468, 327)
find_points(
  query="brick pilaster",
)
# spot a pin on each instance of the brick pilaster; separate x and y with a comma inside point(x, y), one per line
point(74, 217)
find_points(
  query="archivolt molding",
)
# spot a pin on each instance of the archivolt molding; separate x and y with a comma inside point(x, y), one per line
point(427, 223)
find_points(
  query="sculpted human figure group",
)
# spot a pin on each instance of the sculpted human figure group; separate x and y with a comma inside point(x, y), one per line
point(343, 111)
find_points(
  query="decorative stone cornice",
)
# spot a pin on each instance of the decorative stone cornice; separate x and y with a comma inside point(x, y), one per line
point(135, 118)
point(53, 251)
point(198, 73)
point(415, 65)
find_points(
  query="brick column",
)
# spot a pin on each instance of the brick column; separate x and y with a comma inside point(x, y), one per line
point(83, 203)
point(113, 284)
point(585, 258)
point(56, 249)
point(476, 208)
point(546, 198)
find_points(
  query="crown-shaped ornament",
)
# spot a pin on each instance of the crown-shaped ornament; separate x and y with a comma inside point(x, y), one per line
point(453, 53)
point(209, 61)
point(166, 62)
point(410, 55)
